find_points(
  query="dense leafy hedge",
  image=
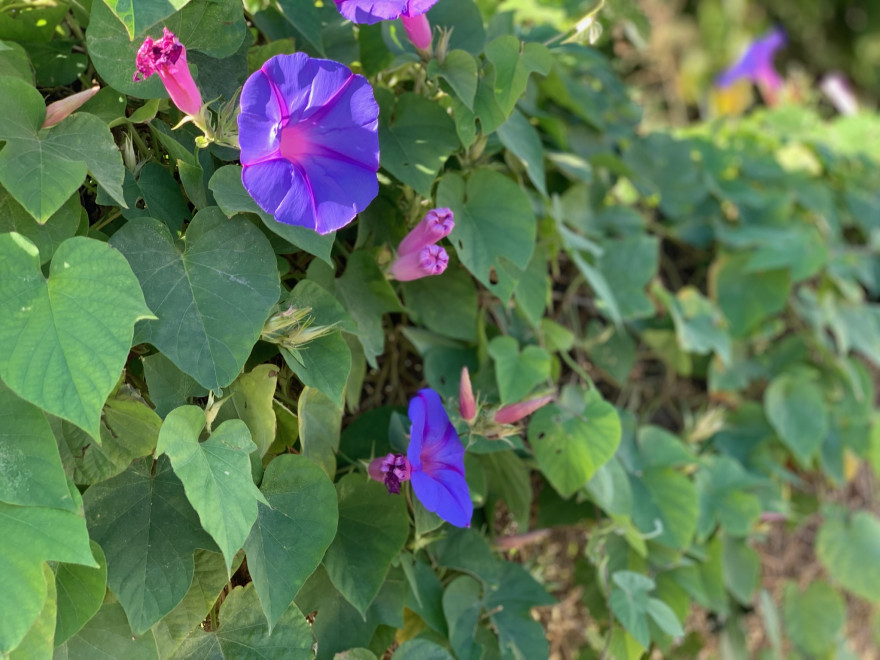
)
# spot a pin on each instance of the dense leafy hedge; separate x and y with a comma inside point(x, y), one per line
point(178, 484)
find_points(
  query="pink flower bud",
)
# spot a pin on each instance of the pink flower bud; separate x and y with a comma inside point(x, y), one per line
point(466, 404)
point(60, 110)
point(391, 470)
point(418, 29)
point(430, 260)
point(516, 411)
point(436, 224)
point(167, 57)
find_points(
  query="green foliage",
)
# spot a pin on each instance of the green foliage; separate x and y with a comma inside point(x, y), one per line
point(191, 391)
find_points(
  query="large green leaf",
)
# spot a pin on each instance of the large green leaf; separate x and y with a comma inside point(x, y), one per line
point(107, 636)
point(243, 632)
point(42, 168)
point(34, 535)
point(748, 297)
point(233, 198)
point(250, 400)
point(292, 533)
point(514, 61)
point(214, 27)
point(518, 372)
point(64, 341)
point(81, 591)
point(148, 530)
point(30, 469)
point(446, 303)
point(459, 70)
point(421, 649)
point(338, 625)
point(209, 579)
point(39, 642)
point(304, 17)
point(665, 505)
point(628, 265)
point(372, 529)
point(570, 445)
point(723, 488)
point(367, 296)
point(46, 236)
point(510, 604)
point(796, 409)
point(216, 474)
point(494, 232)
point(323, 363)
point(416, 137)
point(138, 15)
point(129, 430)
point(168, 386)
point(211, 293)
point(849, 549)
point(462, 606)
point(319, 425)
point(520, 137)
point(634, 608)
point(814, 618)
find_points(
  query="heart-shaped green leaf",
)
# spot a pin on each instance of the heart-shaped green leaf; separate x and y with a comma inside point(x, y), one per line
point(63, 342)
point(138, 16)
point(494, 233)
point(291, 535)
point(216, 474)
point(211, 294)
point(243, 632)
point(39, 534)
point(42, 168)
point(30, 465)
point(517, 372)
point(372, 529)
point(148, 530)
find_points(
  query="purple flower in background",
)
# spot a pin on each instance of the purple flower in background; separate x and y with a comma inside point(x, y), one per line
point(434, 462)
point(756, 64)
point(309, 141)
point(167, 57)
point(437, 459)
point(410, 12)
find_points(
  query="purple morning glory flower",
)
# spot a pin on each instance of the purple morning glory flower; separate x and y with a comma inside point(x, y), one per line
point(410, 12)
point(309, 141)
point(756, 64)
point(437, 459)
point(373, 11)
point(434, 462)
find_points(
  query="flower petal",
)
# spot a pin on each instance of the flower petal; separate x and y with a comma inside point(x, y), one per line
point(418, 7)
point(341, 190)
point(259, 123)
point(446, 494)
point(268, 182)
point(298, 205)
point(371, 11)
point(347, 126)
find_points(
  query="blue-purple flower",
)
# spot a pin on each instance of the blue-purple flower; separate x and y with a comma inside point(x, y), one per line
point(410, 12)
point(434, 462)
point(309, 141)
point(756, 64)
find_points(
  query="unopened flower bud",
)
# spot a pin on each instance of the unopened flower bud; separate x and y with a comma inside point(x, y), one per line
point(516, 411)
point(60, 110)
point(430, 260)
point(466, 404)
point(436, 224)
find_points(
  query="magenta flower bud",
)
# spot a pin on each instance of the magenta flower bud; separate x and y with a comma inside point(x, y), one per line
point(516, 411)
point(436, 224)
point(466, 404)
point(60, 110)
point(391, 470)
point(167, 57)
point(418, 29)
point(430, 260)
